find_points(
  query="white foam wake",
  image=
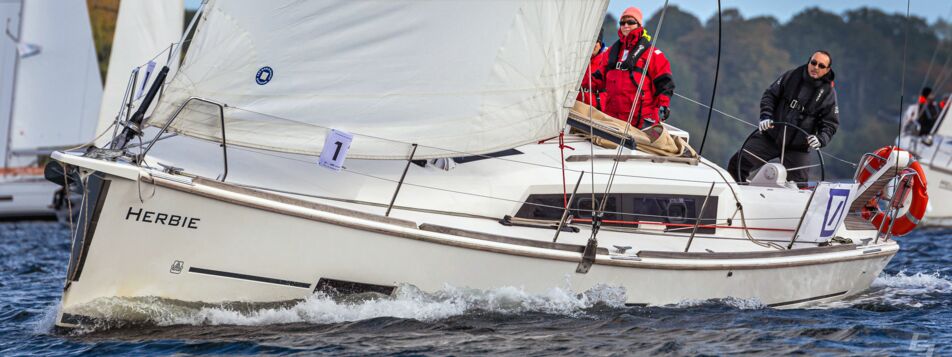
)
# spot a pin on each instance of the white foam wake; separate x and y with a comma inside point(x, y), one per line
point(737, 303)
point(408, 303)
point(901, 290)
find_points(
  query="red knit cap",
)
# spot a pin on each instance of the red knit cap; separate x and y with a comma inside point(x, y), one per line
point(633, 12)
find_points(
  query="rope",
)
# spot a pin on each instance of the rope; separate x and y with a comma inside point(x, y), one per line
point(562, 146)
point(631, 113)
point(742, 121)
point(541, 205)
point(717, 72)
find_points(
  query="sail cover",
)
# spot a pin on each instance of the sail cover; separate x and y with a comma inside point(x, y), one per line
point(454, 77)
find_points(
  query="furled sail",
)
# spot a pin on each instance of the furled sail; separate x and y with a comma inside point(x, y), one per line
point(57, 88)
point(145, 30)
point(456, 76)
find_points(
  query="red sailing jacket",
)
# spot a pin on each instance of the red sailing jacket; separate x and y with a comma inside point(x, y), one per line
point(590, 94)
point(621, 75)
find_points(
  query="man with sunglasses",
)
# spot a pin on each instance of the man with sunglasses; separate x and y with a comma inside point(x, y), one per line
point(803, 97)
point(628, 60)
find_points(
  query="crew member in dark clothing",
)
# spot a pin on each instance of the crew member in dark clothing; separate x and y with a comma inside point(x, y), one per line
point(928, 112)
point(803, 97)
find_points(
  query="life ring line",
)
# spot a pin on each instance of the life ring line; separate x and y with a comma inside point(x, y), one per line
point(906, 222)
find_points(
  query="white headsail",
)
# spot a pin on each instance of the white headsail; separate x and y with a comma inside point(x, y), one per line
point(57, 88)
point(145, 29)
point(455, 77)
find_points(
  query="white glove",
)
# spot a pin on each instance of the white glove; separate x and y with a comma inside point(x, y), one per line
point(813, 141)
point(765, 124)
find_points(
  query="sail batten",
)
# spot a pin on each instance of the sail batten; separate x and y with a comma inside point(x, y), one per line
point(461, 76)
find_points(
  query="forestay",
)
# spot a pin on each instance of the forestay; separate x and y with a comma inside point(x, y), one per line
point(145, 29)
point(451, 76)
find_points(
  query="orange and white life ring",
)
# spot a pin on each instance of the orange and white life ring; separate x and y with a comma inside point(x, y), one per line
point(912, 183)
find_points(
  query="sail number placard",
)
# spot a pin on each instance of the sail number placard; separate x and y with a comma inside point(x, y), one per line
point(335, 149)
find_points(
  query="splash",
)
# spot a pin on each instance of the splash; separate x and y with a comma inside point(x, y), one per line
point(408, 303)
point(918, 282)
point(901, 290)
point(737, 303)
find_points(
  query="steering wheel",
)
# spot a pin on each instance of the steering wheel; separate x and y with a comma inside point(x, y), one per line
point(805, 134)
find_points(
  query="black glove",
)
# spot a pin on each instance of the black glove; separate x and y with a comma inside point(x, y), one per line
point(663, 113)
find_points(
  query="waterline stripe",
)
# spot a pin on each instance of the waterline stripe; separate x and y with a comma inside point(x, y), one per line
point(807, 299)
point(259, 279)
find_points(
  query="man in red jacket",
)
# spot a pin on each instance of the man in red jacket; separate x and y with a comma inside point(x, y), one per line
point(627, 61)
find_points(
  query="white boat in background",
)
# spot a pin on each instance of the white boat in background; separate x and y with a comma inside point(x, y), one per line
point(49, 96)
point(455, 173)
point(934, 152)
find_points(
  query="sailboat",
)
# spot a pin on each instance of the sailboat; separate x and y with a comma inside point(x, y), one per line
point(424, 153)
point(934, 152)
point(49, 97)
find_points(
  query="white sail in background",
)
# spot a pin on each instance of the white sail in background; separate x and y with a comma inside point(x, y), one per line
point(144, 31)
point(58, 89)
point(10, 22)
point(464, 76)
point(944, 122)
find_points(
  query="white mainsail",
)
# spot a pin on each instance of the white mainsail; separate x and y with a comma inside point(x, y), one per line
point(452, 76)
point(57, 89)
point(10, 20)
point(145, 29)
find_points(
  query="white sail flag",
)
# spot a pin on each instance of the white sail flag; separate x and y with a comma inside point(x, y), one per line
point(451, 76)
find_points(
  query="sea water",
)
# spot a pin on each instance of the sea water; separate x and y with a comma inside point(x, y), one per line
point(907, 311)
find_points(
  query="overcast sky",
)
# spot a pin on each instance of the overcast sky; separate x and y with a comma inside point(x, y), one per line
point(780, 9)
point(783, 10)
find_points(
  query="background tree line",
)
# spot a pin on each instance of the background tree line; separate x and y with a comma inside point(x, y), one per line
point(867, 49)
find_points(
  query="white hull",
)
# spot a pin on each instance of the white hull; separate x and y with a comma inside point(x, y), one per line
point(26, 196)
point(251, 246)
point(936, 161)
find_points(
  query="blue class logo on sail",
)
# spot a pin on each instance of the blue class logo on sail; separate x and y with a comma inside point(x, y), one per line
point(264, 75)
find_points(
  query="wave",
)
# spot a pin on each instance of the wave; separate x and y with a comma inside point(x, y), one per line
point(902, 290)
point(408, 303)
point(736, 303)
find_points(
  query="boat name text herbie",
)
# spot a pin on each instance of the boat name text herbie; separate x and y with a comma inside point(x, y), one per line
point(174, 220)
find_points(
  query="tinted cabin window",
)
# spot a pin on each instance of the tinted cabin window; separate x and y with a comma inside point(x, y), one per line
point(677, 211)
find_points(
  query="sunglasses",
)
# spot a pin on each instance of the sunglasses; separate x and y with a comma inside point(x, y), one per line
point(818, 65)
point(628, 22)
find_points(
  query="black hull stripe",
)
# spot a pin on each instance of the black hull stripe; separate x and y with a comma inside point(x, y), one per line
point(259, 279)
point(807, 299)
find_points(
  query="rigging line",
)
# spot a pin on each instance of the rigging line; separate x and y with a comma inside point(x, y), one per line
point(631, 113)
point(486, 156)
point(716, 110)
point(717, 70)
point(743, 217)
point(824, 153)
point(473, 194)
point(902, 84)
point(938, 45)
point(944, 75)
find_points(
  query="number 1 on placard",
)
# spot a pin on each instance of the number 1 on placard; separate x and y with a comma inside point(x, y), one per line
point(337, 151)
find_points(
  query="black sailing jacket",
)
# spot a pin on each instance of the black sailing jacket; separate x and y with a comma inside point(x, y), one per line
point(808, 103)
